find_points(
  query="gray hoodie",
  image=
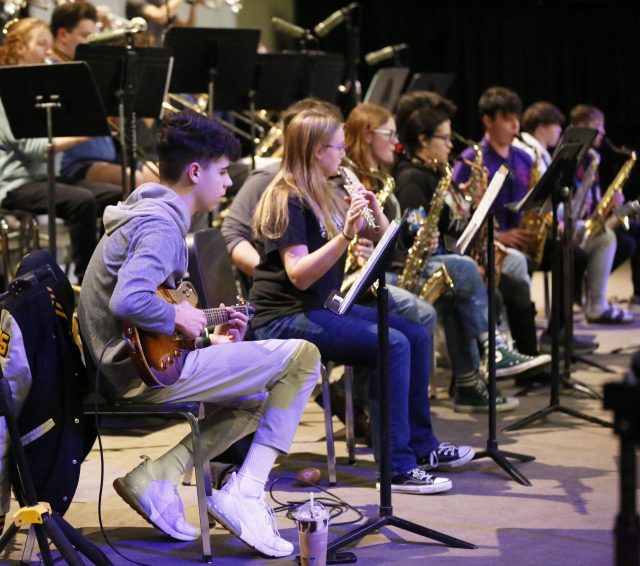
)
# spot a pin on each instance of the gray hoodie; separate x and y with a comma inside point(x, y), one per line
point(142, 248)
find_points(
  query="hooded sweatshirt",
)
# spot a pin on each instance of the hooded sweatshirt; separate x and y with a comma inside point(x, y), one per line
point(142, 248)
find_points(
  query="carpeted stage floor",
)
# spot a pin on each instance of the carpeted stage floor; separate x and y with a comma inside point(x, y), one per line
point(566, 517)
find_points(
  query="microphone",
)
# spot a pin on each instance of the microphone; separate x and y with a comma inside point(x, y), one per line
point(136, 25)
point(335, 19)
point(385, 53)
point(290, 29)
point(202, 342)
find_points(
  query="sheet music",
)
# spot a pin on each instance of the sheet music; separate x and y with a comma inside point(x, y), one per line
point(483, 209)
point(384, 242)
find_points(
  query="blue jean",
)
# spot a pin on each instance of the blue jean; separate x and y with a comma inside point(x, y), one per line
point(464, 312)
point(353, 340)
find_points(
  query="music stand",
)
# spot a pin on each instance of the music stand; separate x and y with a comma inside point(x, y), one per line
point(439, 83)
point(372, 270)
point(555, 184)
point(386, 87)
point(220, 62)
point(483, 214)
point(65, 88)
point(132, 82)
point(323, 73)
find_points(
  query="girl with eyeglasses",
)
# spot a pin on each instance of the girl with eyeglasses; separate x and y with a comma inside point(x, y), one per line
point(306, 224)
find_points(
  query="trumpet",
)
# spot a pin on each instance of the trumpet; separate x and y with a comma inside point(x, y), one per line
point(350, 180)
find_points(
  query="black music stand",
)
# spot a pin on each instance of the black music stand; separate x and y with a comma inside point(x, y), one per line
point(439, 83)
point(220, 62)
point(271, 91)
point(624, 399)
point(61, 91)
point(483, 214)
point(132, 82)
point(555, 183)
point(374, 270)
point(386, 87)
point(323, 74)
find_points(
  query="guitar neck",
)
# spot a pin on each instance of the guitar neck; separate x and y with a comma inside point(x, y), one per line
point(219, 316)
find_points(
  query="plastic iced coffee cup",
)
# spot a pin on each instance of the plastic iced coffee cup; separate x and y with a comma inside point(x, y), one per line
point(313, 529)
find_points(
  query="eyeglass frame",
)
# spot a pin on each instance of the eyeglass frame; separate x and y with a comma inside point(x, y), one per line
point(443, 137)
point(338, 146)
point(387, 133)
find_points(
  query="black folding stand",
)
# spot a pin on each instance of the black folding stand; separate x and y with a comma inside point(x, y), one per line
point(492, 451)
point(132, 82)
point(67, 540)
point(555, 182)
point(483, 214)
point(63, 88)
point(385, 518)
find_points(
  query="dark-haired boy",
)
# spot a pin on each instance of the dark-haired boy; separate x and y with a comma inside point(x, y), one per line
point(261, 386)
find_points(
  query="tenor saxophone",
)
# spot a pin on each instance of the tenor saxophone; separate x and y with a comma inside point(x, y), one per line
point(595, 224)
point(419, 254)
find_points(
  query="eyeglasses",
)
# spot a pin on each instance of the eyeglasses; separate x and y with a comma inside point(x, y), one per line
point(443, 137)
point(338, 146)
point(391, 134)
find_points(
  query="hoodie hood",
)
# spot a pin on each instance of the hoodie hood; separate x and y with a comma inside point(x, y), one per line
point(149, 199)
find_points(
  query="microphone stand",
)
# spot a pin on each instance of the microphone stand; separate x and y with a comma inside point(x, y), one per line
point(352, 89)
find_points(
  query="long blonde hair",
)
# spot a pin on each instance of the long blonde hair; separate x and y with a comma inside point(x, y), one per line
point(18, 34)
point(363, 119)
point(299, 176)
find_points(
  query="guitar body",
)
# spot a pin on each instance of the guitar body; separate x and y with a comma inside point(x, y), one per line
point(159, 358)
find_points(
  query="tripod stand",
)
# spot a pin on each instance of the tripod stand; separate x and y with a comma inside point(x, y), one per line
point(492, 451)
point(555, 183)
point(385, 510)
point(47, 524)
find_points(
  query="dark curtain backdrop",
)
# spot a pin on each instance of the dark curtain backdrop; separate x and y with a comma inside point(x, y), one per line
point(564, 51)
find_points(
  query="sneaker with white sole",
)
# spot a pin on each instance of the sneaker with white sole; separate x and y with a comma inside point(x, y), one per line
point(418, 481)
point(155, 500)
point(445, 456)
point(509, 362)
point(475, 399)
point(252, 520)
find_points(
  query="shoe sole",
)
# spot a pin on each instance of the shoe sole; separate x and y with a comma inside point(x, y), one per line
point(511, 405)
point(420, 489)
point(538, 361)
point(222, 519)
point(121, 489)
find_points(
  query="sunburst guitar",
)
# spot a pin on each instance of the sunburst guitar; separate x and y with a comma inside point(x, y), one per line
point(159, 358)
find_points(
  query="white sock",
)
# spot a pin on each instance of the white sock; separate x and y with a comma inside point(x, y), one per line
point(171, 465)
point(255, 469)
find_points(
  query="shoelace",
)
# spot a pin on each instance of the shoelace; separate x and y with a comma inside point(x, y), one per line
point(447, 449)
point(420, 475)
point(269, 516)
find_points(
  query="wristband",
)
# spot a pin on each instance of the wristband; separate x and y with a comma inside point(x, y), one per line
point(347, 237)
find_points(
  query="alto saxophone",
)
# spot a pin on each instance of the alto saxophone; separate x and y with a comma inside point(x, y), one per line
point(580, 201)
point(535, 221)
point(418, 255)
point(595, 224)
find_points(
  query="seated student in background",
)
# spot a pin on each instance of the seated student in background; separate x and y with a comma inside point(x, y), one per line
point(23, 163)
point(96, 158)
point(305, 230)
point(246, 386)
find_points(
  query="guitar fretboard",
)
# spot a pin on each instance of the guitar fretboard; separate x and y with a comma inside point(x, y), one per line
point(221, 316)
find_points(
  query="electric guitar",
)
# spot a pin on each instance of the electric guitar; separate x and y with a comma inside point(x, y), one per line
point(159, 358)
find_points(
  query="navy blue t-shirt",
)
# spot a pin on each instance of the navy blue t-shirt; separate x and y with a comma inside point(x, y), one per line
point(273, 295)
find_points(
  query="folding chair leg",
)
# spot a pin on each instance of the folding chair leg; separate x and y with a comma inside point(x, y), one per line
point(203, 485)
point(348, 410)
point(187, 478)
point(328, 427)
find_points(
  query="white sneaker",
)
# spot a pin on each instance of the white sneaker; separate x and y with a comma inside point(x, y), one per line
point(252, 520)
point(156, 501)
